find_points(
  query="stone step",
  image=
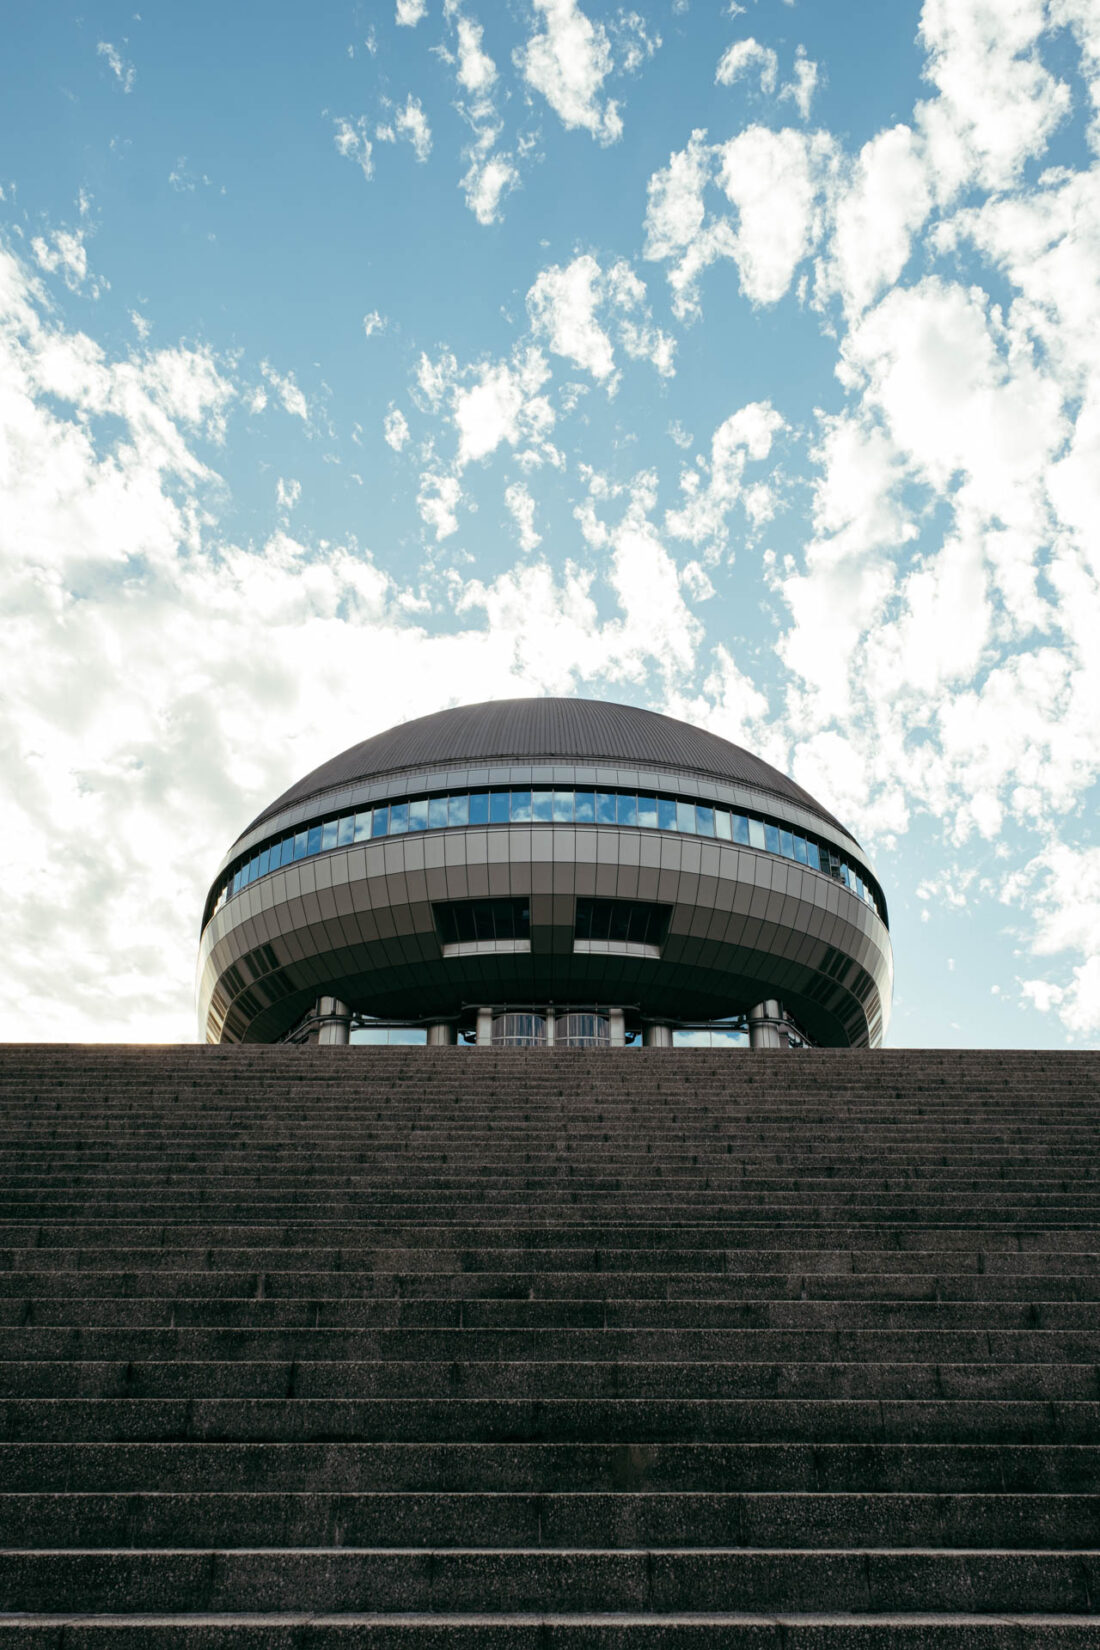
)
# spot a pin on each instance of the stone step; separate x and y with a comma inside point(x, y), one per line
point(32, 1289)
point(531, 1379)
point(448, 1312)
point(129, 1521)
point(492, 1579)
point(621, 1420)
point(581, 1630)
point(329, 1466)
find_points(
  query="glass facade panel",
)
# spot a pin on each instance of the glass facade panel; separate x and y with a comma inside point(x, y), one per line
point(519, 1030)
point(582, 1030)
point(636, 921)
point(561, 806)
point(460, 922)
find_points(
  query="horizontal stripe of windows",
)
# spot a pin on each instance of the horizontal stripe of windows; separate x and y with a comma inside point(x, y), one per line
point(462, 809)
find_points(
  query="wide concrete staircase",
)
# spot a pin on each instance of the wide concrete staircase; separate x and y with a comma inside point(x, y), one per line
point(334, 1347)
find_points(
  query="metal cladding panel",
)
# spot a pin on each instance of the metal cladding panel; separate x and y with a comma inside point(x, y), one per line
point(569, 730)
point(737, 934)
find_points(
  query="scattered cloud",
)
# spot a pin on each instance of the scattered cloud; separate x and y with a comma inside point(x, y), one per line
point(395, 428)
point(373, 322)
point(352, 142)
point(123, 71)
point(291, 397)
point(563, 305)
point(748, 57)
point(567, 63)
point(287, 493)
point(410, 12)
point(521, 507)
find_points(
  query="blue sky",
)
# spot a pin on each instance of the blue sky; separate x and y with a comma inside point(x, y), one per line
point(742, 362)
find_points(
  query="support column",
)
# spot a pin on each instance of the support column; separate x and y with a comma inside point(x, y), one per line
point(616, 1021)
point(484, 1028)
point(767, 1028)
point(441, 1036)
point(335, 1019)
point(551, 1027)
point(658, 1036)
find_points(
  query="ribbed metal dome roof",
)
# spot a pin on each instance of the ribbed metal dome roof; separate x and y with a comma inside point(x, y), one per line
point(541, 730)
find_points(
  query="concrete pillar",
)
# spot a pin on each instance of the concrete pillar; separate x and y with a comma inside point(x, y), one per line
point(551, 1027)
point(335, 1019)
point(441, 1036)
point(484, 1028)
point(658, 1036)
point(766, 1027)
point(616, 1020)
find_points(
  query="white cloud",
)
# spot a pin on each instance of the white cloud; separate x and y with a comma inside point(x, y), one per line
point(410, 12)
point(352, 142)
point(412, 123)
point(772, 179)
point(568, 63)
point(294, 402)
point(747, 57)
point(521, 507)
point(65, 254)
point(287, 493)
point(374, 322)
point(395, 428)
point(801, 89)
point(438, 501)
point(1060, 889)
point(123, 71)
point(878, 207)
point(503, 406)
point(476, 69)
point(485, 185)
point(996, 104)
point(712, 489)
point(563, 305)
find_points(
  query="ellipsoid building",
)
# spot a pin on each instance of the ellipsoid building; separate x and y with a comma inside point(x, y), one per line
point(546, 870)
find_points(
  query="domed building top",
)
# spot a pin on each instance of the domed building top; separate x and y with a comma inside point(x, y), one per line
point(535, 730)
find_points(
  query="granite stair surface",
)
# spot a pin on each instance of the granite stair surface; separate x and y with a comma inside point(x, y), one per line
point(403, 1347)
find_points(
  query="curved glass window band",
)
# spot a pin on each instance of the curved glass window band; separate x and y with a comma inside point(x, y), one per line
point(544, 806)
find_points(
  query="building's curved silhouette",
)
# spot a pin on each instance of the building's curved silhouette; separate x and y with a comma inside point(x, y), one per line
point(546, 869)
